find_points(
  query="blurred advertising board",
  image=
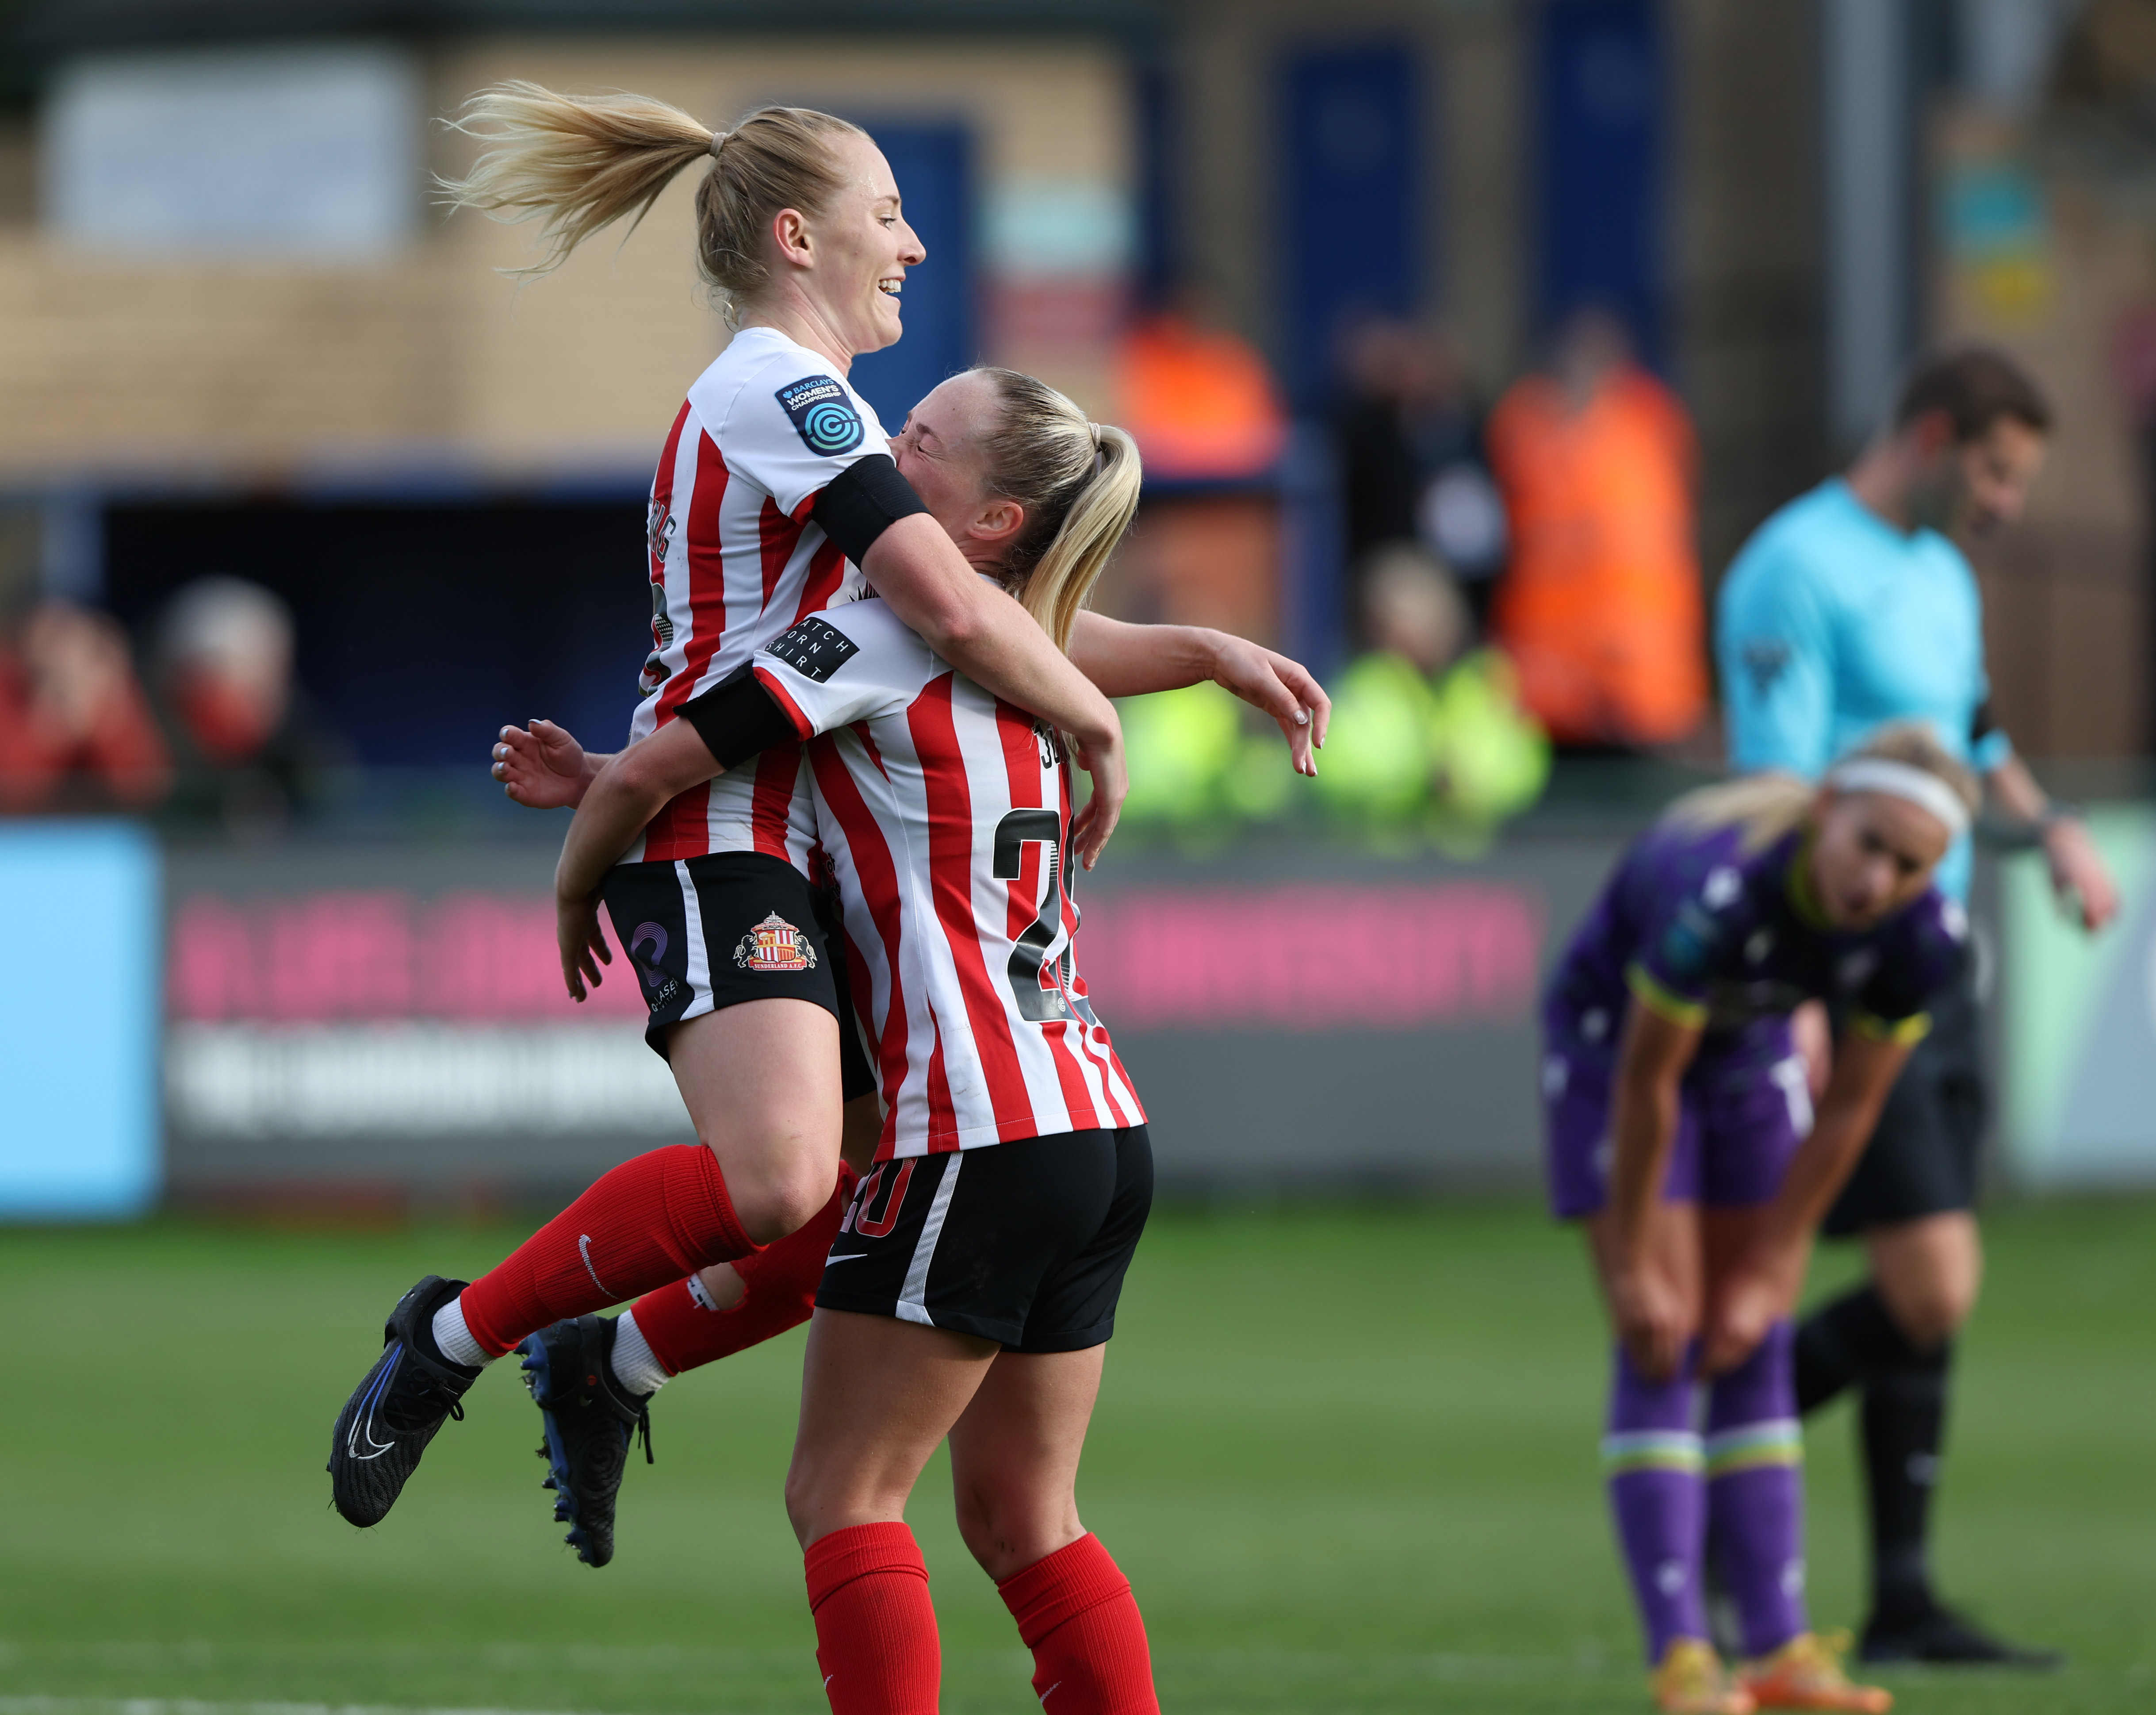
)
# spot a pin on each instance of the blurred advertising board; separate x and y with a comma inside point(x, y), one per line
point(78, 1110)
point(376, 1019)
point(2080, 1020)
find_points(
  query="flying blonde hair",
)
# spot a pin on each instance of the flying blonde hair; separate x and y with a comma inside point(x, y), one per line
point(579, 163)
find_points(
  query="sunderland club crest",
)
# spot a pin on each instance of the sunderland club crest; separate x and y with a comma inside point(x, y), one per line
point(775, 945)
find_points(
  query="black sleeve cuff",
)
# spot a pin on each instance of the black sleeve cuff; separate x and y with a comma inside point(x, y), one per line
point(1981, 724)
point(737, 717)
point(862, 501)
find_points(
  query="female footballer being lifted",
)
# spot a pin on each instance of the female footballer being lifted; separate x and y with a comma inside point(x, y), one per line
point(974, 1277)
point(1680, 1133)
point(774, 494)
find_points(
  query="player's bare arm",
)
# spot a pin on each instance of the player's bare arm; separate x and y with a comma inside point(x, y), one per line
point(1652, 1316)
point(1133, 660)
point(1761, 1286)
point(629, 789)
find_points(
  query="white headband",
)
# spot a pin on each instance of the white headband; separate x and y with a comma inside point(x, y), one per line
point(1905, 781)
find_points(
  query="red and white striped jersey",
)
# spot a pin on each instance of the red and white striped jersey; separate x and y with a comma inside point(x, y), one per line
point(946, 812)
point(735, 559)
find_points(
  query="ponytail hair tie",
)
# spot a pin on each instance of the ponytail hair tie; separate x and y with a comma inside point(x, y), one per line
point(1100, 452)
point(718, 142)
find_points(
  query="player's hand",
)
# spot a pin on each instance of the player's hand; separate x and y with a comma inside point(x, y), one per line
point(582, 943)
point(1653, 1320)
point(1812, 1032)
point(1100, 757)
point(1284, 688)
point(2078, 873)
point(544, 768)
point(1758, 1292)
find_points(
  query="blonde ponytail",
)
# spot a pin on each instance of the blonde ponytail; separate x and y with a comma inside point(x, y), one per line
point(1078, 483)
point(579, 163)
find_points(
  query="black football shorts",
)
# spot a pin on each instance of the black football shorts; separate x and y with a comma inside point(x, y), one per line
point(1025, 1243)
point(705, 933)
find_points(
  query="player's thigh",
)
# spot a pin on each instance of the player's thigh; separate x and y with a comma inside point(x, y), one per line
point(1014, 1456)
point(761, 1081)
point(878, 1396)
point(1928, 1271)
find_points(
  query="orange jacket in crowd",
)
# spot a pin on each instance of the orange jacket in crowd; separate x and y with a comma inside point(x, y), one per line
point(1198, 400)
point(1601, 607)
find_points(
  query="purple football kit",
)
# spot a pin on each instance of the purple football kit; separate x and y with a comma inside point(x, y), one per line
point(1707, 933)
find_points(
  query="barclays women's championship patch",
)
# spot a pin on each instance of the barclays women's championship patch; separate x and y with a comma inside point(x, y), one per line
point(823, 413)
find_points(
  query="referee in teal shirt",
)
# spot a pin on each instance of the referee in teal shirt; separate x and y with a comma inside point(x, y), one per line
point(1849, 606)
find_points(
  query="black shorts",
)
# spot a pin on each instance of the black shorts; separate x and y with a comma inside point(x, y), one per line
point(761, 932)
point(1024, 1243)
point(1922, 1158)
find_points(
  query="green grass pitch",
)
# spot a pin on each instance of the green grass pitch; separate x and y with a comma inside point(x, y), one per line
point(1346, 1454)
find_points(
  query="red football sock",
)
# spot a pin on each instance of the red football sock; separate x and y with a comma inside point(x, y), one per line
point(1075, 1612)
point(875, 1627)
point(648, 1221)
point(782, 1280)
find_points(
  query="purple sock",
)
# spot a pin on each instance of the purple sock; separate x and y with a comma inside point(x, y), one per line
point(1651, 1459)
point(1755, 1491)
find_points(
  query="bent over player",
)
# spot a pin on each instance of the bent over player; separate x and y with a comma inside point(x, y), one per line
point(1680, 1133)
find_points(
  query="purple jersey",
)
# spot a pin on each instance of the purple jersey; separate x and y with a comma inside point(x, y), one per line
point(1707, 934)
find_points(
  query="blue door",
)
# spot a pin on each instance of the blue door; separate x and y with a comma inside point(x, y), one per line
point(1352, 231)
point(1601, 164)
point(932, 164)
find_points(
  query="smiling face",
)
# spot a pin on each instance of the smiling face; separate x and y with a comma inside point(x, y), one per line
point(1871, 855)
point(860, 248)
point(940, 452)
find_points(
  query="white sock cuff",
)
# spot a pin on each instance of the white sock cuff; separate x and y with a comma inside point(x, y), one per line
point(454, 1339)
point(635, 1365)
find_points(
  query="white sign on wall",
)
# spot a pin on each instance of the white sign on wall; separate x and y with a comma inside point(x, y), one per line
point(305, 152)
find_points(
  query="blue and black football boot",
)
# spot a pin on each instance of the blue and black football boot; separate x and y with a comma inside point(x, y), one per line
point(591, 1420)
point(386, 1425)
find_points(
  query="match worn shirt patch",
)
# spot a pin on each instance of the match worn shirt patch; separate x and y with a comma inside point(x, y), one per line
point(815, 649)
point(822, 413)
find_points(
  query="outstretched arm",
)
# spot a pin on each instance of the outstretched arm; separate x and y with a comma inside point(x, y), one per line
point(989, 637)
point(1131, 660)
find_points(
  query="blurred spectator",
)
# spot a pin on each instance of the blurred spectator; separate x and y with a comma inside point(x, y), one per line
point(1600, 607)
point(76, 732)
point(1422, 738)
point(250, 751)
point(1198, 398)
point(1409, 437)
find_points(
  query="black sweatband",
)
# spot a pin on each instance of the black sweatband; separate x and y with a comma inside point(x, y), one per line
point(862, 501)
point(737, 717)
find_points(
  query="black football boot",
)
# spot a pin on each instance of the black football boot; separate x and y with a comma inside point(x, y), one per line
point(392, 1415)
point(590, 1420)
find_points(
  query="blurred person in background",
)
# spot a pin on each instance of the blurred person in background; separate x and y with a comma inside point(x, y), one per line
point(1408, 436)
point(1599, 606)
point(76, 731)
point(1426, 739)
point(1849, 607)
point(1681, 1136)
point(1199, 397)
point(250, 751)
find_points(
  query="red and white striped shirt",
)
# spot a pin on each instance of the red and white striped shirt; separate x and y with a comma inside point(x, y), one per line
point(736, 559)
point(947, 813)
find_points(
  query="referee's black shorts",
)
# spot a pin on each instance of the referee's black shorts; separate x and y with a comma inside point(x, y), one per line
point(1923, 1157)
point(1024, 1243)
point(705, 933)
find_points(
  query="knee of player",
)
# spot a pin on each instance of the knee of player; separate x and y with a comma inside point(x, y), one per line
point(780, 1197)
point(1931, 1313)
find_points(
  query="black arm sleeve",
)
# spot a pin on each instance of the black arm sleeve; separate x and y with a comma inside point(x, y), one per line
point(736, 718)
point(862, 501)
point(1981, 725)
